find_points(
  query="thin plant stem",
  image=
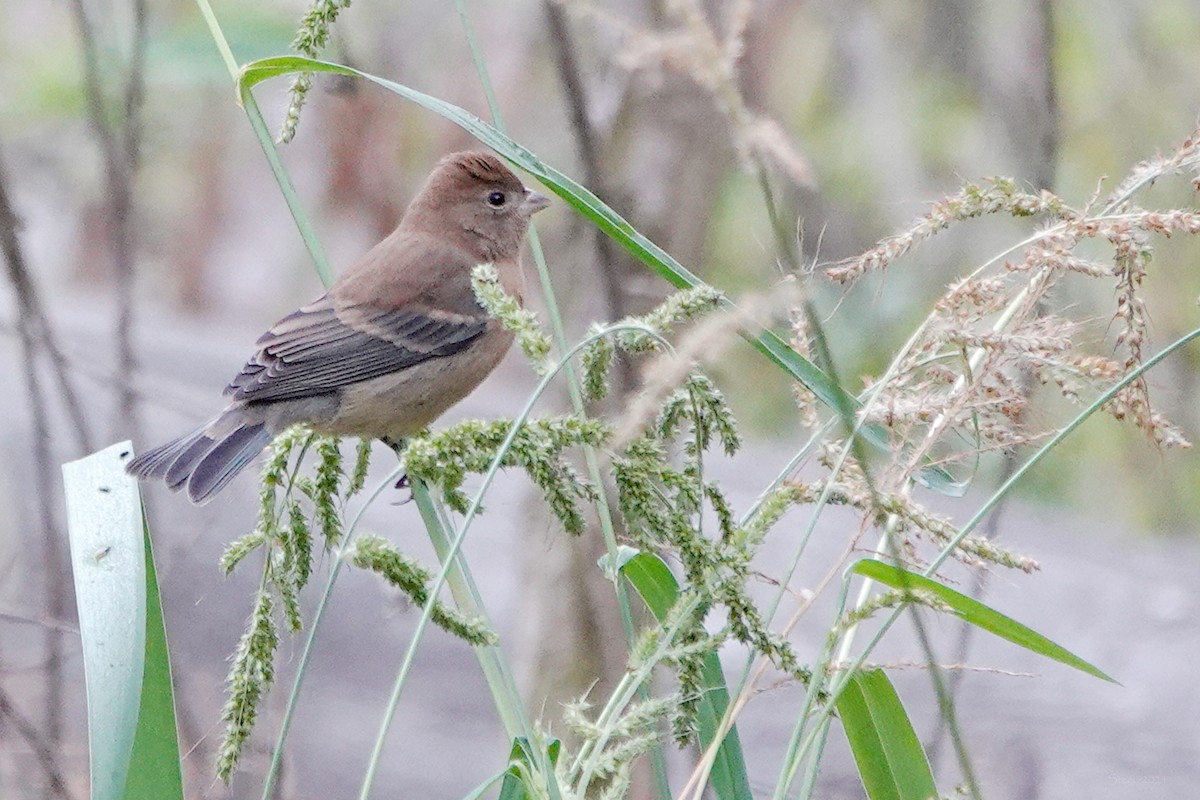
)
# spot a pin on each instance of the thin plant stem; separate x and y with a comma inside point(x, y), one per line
point(794, 752)
point(302, 667)
point(267, 142)
point(467, 598)
point(813, 768)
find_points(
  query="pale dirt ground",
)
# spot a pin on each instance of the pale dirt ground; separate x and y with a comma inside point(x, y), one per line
point(1129, 603)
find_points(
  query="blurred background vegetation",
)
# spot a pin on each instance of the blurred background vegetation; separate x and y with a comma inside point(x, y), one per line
point(875, 110)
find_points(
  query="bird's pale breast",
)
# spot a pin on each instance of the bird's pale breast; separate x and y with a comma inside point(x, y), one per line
point(402, 403)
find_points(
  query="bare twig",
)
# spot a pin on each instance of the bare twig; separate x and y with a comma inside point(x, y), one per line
point(9, 615)
point(31, 320)
point(124, 239)
point(120, 143)
point(33, 326)
point(561, 42)
point(42, 750)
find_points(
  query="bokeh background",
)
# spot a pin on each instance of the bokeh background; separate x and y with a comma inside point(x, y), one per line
point(156, 247)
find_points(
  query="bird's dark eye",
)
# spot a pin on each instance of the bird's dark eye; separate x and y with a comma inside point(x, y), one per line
point(496, 199)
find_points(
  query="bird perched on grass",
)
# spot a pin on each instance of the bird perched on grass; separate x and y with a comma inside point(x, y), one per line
point(397, 339)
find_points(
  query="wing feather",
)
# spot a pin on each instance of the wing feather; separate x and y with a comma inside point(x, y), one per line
point(320, 348)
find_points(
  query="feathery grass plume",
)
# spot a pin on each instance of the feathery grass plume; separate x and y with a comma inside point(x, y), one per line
point(630, 735)
point(281, 525)
point(596, 363)
point(688, 660)
point(701, 406)
point(251, 673)
point(297, 548)
point(283, 521)
point(962, 386)
point(996, 195)
point(808, 407)
point(896, 513)
point(678, 308)
point(892, 598)
point(362, 463)
point(912, 517)
point(310, 40)
point(324, 488)
point(385, 559)
point(290, 564)
point(240, 548)
point(284, 533)
point(284, 527)
point(663, 504)
point(703, 343)
point(1184, 159)
point(446, 457)
point(616, 744)
point(636, 335)
point(521, 322)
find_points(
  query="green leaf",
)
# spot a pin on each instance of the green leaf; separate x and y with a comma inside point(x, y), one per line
point(154, 769)
point(524, 762)
point(651, 577)
point(890, 759)
point(599, 214)
point(134, 748)
point(655, 583)
point(975, 612)
point(104, 521)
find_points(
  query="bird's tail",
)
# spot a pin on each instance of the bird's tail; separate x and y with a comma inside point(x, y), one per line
point(205, 459)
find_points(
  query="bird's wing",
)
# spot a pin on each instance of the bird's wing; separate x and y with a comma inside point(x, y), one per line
point(325, 346)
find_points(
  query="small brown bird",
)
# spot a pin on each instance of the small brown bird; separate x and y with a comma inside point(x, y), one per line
point(397, 339)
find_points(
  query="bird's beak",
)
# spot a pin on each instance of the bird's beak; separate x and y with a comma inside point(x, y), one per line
point(533, 203)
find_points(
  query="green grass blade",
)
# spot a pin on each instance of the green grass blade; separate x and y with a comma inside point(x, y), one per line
point(105, 527)
point(653, 579)
point(154, 770)
point(524, 763)
point(655, 583)
point(890, 759)
point(976, 613)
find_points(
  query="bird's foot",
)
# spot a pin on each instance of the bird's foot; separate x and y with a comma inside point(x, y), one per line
point(404, 484)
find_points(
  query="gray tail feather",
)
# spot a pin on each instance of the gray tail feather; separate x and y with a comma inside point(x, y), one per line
point(155, 463)
point(217, 465)
point(204, 464)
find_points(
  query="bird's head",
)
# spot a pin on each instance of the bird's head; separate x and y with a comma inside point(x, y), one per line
point(473, 195)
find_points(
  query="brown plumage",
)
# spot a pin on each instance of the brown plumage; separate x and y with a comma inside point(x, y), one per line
point(397, 339)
